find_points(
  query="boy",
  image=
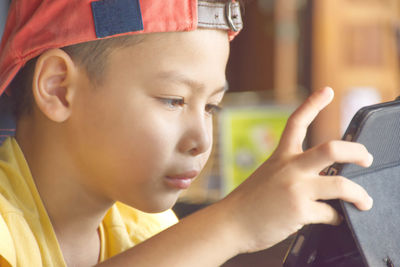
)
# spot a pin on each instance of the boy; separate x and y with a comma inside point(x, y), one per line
point(129, 119)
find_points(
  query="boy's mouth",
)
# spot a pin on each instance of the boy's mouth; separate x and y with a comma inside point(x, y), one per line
point(181, 180)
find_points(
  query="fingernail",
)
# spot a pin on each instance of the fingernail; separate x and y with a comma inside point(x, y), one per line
point(327, 96)
point(370, 159)
point(329, 89)
point(370, 202)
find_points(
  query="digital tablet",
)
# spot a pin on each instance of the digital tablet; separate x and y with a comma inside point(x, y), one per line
point(365, 238)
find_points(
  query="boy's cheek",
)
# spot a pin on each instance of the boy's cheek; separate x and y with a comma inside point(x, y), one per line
point(204, 158)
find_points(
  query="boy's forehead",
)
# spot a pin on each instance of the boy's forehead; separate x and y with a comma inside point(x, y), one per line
point(34, 26)
point(179, 77)
point(195, 60)
point(175, 56)
point(172, 45)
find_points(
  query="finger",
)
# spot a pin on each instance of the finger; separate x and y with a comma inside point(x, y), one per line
point(324, 213)
point(296, 127)
point(319, 157)
point(338, 187)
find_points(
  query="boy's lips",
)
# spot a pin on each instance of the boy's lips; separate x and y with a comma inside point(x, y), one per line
point(181, 180)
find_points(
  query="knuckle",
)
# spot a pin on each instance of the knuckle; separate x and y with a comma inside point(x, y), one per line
point(330, 149)
point(292, 188)
point(297, 207)
point(363, 148)
point(311, 102)
point(356, 146)
point(293, 120)
point(296, 200)
point(340, 183)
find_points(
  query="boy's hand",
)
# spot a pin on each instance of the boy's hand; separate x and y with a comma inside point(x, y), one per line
point(282, 194)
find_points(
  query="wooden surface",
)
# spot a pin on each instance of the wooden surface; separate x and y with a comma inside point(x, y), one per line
point(354, 45)
point(286, 47)
point(251, 63)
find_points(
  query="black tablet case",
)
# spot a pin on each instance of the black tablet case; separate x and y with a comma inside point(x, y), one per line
point(369, 238)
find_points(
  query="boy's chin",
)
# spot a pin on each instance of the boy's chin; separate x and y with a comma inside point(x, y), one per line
point(157, 205)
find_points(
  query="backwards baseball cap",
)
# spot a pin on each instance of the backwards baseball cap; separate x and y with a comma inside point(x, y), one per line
point(34, 26)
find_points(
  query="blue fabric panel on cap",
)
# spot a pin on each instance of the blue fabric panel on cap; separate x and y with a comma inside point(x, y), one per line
point(116, 16)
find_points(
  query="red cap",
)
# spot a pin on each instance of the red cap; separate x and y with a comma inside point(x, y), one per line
point(34, 26)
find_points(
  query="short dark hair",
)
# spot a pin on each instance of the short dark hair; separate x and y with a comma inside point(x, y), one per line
point(92, 56)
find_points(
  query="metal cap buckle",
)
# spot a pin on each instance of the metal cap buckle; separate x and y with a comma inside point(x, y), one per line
point(217, 15)
point(229, 16)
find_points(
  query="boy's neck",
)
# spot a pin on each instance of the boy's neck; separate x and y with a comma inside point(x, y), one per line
point(75, 211)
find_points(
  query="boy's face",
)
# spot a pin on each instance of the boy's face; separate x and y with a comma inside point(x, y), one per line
point(139, 135)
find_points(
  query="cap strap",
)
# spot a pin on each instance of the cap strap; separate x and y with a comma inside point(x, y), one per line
point(223, 16)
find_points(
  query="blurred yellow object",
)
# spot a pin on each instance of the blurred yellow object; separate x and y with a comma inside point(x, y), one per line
point(248, 137)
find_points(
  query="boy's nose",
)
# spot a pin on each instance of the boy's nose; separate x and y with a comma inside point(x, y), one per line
point(197, 137)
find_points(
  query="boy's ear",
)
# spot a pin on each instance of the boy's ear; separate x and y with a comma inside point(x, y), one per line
point(53, 84)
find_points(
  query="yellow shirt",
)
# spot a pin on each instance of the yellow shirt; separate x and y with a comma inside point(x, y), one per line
point(27, 237)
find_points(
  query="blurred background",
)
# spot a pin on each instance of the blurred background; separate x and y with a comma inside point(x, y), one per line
point(288, 49)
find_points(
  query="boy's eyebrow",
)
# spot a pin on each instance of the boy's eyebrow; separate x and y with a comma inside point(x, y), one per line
point(180, 78)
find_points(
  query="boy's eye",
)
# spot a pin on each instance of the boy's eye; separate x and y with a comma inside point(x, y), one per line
point(173, 102)
point(212, 109)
